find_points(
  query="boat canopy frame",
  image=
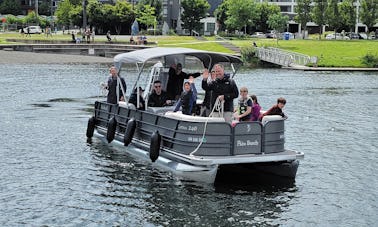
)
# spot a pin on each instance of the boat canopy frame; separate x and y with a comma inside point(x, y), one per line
point(208, 58)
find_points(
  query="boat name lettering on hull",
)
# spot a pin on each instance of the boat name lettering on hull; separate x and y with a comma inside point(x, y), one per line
point(188, 128)
point(241, 143)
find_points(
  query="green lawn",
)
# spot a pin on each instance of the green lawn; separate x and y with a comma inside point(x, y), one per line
point(331, 53)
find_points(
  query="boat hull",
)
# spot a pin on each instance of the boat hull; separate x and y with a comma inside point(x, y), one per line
point(195, 149)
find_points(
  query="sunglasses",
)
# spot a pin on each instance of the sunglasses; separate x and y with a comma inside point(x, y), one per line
point(243, 91)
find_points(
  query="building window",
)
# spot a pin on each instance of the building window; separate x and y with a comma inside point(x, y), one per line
point(285, 8)
point(210, 27)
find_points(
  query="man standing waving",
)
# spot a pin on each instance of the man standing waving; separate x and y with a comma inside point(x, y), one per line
point(224, 89)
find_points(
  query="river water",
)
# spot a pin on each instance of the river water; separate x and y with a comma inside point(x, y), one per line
point(51, 176)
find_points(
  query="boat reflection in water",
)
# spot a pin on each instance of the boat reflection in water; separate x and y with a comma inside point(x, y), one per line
point(192, 147)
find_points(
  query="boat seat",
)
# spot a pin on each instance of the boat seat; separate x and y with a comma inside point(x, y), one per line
point(183, 117)
point(268, 118)
point(127, 105)
point(160, 110)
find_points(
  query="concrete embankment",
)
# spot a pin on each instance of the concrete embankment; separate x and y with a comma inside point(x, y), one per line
point(19, 57)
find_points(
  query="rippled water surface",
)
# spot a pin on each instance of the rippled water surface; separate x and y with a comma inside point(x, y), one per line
point(50, 175)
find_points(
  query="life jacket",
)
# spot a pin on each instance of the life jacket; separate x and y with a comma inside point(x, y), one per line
point(243, 105)
point(242, 108)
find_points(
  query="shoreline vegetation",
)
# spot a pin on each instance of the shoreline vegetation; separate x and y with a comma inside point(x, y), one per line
point(330, 53)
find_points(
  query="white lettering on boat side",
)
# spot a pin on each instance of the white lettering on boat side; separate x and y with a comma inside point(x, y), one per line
point(189, 128)
point(181, 127)
point(240, 143)
point(197, 139)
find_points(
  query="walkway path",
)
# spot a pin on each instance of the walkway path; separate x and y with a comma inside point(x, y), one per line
point(225, 43)
point(16, 57)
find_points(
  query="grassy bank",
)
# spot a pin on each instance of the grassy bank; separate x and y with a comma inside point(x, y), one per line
point(331, 53)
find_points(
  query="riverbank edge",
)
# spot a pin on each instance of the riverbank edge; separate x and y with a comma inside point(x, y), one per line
point(7, 49)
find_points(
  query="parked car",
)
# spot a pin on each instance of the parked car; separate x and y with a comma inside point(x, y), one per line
point(271, 35)
point(337, 36)
point(33, 30)
point(363, 35)
point(258, 35)
point(353, 35)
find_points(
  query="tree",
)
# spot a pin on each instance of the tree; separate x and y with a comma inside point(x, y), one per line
point(264, 10)
point(278, 22)
point(124, 16)
point(76, 2)
point(76, 15)
point(44, 8)
point(303, 11)
point(10, 7)
point(318, 14)
point(147, 15)
point(63, 12)
point(369, 13)
point(32, 18)
point(347, 14)
point(220, 14)
point(333, 15)
point(95, 14)
point(194, 11)
point(154, 3)
point(240, 14)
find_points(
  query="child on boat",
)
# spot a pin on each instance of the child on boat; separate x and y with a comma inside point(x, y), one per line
point(244, 108)
point(255, 109)
point(188, 98)
point(276, 109)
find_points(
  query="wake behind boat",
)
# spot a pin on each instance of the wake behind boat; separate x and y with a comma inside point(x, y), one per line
point(192, 147)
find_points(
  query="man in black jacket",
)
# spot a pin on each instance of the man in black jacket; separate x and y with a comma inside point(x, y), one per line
point(158, 98)
point(224, 89)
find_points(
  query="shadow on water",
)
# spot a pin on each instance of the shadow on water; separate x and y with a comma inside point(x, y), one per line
point(255, 181)
point(45, 105)
point(41, 105)
point(62, 100)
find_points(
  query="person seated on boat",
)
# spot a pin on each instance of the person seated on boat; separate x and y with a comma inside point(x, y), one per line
point(188, 98)
point(244, 108)
point(112, 86)
point(158, 97)
point(176, 81)
point(206, 105)
point(275, 109)
point(133, 99)
point(224, 90)
point(255, 109)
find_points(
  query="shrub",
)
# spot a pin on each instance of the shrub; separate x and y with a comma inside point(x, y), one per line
point(370, 60)
point(248, 54)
